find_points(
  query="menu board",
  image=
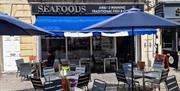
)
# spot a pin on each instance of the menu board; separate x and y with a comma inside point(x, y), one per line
point(11, 52)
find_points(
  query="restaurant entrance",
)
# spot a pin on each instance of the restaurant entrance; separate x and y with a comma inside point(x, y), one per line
point(124, 49)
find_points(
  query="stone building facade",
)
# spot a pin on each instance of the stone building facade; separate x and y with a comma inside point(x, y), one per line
point(21, 9)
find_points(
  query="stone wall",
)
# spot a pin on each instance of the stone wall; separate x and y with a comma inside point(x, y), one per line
point(21, 10)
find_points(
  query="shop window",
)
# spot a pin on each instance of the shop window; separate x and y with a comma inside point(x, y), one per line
point(167, 37)
point(57, 45)
point(103, 46)
point(78, 48)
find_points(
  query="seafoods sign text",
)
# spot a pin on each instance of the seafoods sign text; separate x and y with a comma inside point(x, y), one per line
point(61, 9)
point(78, 9)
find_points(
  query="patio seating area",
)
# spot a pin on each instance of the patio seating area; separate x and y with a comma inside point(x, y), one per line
point(82, 76)
point(9, 82)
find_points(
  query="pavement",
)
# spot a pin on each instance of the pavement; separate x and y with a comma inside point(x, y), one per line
point(9, 81)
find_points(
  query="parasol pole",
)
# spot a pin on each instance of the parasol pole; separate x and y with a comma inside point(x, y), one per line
point(91, 45)
point(132, 56)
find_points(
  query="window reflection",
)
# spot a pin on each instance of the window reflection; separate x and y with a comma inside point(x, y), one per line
point(57, 45)
point(103, 46)
point(78, 48)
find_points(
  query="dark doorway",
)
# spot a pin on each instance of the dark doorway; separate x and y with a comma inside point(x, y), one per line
point(124, 49)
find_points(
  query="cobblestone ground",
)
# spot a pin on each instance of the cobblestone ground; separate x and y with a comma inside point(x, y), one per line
point(9, 82)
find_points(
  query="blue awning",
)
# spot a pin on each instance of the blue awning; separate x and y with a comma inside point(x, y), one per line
point(72, 26)
point(67, 23)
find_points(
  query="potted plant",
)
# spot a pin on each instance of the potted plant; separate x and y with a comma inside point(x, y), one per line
point(65, 84)
point(141, 64)
point(64, 81)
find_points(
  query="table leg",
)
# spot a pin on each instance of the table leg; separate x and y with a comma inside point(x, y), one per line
point(80, 63)
point(143, 80)
point(116, 64)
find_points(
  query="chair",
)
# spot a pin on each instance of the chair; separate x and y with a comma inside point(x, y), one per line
point(163, 58)
point(25, 70)
point(37, 84)
point(121, 77)
point(171, 83)
point(158, 65)
point(156, 81)
point(126, 67)
point(18, 61)
point(49, 74)
point(83, 80)
point(54, 85)
point(99, 85)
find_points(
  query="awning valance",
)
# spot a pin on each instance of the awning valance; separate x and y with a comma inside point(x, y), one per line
point(72, 26)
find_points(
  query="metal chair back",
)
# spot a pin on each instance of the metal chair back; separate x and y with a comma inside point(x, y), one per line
point(83, 80)
point(25, 70)
point(18, 62)
point(164, 75)
point(52, 86)
point(48, 70)
point(171, 83)
point(49, 74)
point(37, 84)
point(120, 75)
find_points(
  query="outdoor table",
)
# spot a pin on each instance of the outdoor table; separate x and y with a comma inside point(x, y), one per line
point(110, 58)
point(72, 88)
point(146, 73)
point(70, 75)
